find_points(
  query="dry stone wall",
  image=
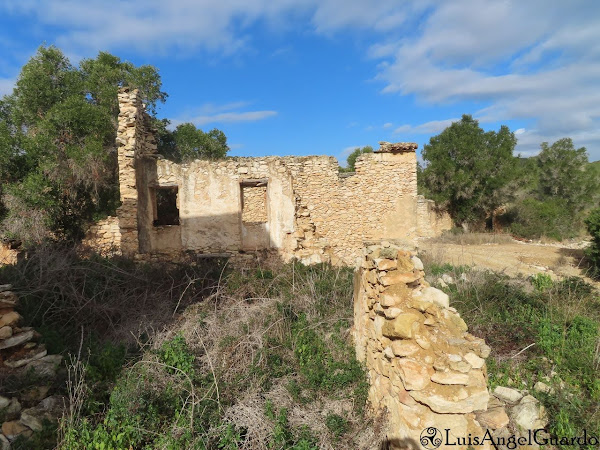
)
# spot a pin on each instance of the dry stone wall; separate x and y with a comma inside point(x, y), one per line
point(431, 221)
point(424, 368)
point(309, 212)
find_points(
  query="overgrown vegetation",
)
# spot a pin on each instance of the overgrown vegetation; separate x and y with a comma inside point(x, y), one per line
point(593, 251)
point(352, 157)
point(539, 330)
point(473, 173)
point(58, 162)
point(260, 358)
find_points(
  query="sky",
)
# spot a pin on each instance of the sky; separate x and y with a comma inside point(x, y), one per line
point(302, 77)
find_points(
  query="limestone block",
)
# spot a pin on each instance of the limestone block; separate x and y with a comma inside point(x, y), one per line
point(386, 264)
point(5, 332)
point(392, 313)
point(475, 361)
point(14, 428)
point(17, 339)
point(403, 326)
point(10, 319)
point(493, 418)
point(417, 263)
point(414, 375)
point(529, 414)
point(507, 395)
point(435, 296)
point(445, 400)
point(397, 277)
point(450, 378)
point(404, 348)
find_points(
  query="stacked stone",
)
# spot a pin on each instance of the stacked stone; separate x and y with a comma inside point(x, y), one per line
point(130, 135)
point(104, 237)
point(394, 147)
point(311, 247)
point(21, 354)
point(431, 221)
point(424, 368)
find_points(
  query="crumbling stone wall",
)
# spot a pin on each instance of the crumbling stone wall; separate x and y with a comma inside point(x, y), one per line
point(424, 368)
point(309, 211)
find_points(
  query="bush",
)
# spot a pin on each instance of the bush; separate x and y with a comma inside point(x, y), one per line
point(531, 219)
point(562, 321)
point(593, 251)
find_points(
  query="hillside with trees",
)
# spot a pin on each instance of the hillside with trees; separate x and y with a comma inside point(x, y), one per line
point(57, 143)
point(474, 175)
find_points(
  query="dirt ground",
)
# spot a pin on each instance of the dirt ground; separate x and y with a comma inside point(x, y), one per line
point(512, 258)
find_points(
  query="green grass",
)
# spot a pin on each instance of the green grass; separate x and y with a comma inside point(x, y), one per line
point(562, 321)
point(174, 398)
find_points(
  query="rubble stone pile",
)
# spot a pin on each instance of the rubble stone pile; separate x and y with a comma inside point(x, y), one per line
point(23, 356)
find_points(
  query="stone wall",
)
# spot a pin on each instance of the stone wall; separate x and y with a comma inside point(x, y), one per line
point(22, 355)
point(424, 368)
point(8, 254)
point(431, 221)
point(104, 237)
point(297, 207)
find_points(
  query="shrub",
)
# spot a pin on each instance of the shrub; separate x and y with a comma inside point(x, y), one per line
point(531, 219)
point(593, 251)
point(561, 319)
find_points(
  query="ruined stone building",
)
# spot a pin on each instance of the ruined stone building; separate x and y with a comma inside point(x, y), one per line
point(296, 207)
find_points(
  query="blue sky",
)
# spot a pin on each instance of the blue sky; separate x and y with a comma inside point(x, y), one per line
point(301, 77)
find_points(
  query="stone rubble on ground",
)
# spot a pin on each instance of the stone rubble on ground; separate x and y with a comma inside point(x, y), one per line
point(21, 353)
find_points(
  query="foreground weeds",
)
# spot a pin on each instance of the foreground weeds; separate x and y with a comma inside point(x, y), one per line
point(266, 362)
point(539, 330)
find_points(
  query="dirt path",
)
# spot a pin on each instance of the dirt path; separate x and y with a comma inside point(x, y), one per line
point(512, 258)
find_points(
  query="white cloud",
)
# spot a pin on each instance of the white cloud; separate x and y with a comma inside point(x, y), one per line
point(537, 61)
point(347, 150)
point(431, 127)
point(187, 25)
point(226, 113)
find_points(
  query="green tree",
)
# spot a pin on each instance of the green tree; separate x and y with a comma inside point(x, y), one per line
point(469, 171)
point(593, 251)
point(564, 173)
point(57, 142)
point(192, 143)
point(351, 160)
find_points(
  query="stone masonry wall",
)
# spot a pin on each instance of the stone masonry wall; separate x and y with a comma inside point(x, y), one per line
point(310, 212)
point(104, 237)
point(430, 221)
point(21, 354)
point(254, 207)
point(424, 368)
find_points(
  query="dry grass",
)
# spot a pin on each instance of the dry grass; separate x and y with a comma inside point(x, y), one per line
point(235, 332)
point(475, 238)
point(62, 294)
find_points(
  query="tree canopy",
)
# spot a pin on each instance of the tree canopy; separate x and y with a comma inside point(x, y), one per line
point(187, 142)
point(57, 142)
point(565, 172)
point(468, 171)
point(351, 160)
